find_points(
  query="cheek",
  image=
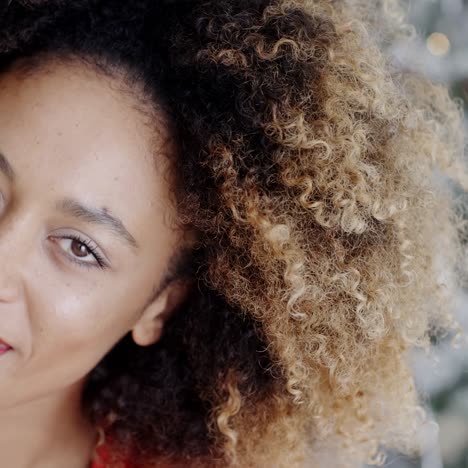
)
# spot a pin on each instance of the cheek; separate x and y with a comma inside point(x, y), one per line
point(73, 327)
point(74, 319)
point(74, 311)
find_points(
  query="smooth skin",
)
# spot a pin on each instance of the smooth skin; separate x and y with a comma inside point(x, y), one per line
point(70, 137)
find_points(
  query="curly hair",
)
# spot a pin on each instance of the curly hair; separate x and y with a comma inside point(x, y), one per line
point(309, 164)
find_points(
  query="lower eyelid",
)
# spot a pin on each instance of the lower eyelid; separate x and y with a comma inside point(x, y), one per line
point(84, 264)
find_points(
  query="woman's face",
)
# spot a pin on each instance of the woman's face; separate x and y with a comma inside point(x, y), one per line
point(76, 161)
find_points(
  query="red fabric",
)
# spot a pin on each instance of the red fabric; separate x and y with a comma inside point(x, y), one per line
point(103, 458)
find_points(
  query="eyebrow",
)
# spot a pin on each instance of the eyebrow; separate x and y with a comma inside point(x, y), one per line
point(100, 217)
point(78, 210)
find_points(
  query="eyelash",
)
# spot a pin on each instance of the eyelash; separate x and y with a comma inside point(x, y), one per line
point(92, 250)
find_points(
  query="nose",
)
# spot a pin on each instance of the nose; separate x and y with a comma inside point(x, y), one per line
point(10, 261)
point(9, 289)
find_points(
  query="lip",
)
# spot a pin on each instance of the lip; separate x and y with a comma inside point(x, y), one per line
point(4, 346)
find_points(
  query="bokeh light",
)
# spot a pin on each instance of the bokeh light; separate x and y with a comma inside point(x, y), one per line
point(438, 44)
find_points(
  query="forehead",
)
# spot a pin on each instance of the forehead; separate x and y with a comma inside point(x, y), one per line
point(81, 134)
point(70, 99)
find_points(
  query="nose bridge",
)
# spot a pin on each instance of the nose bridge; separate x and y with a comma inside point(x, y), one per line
point(13, 240)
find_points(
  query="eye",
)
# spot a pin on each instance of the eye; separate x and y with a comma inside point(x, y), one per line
point(82, 251)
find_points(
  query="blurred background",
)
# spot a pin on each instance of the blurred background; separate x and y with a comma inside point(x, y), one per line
point(442, 53)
